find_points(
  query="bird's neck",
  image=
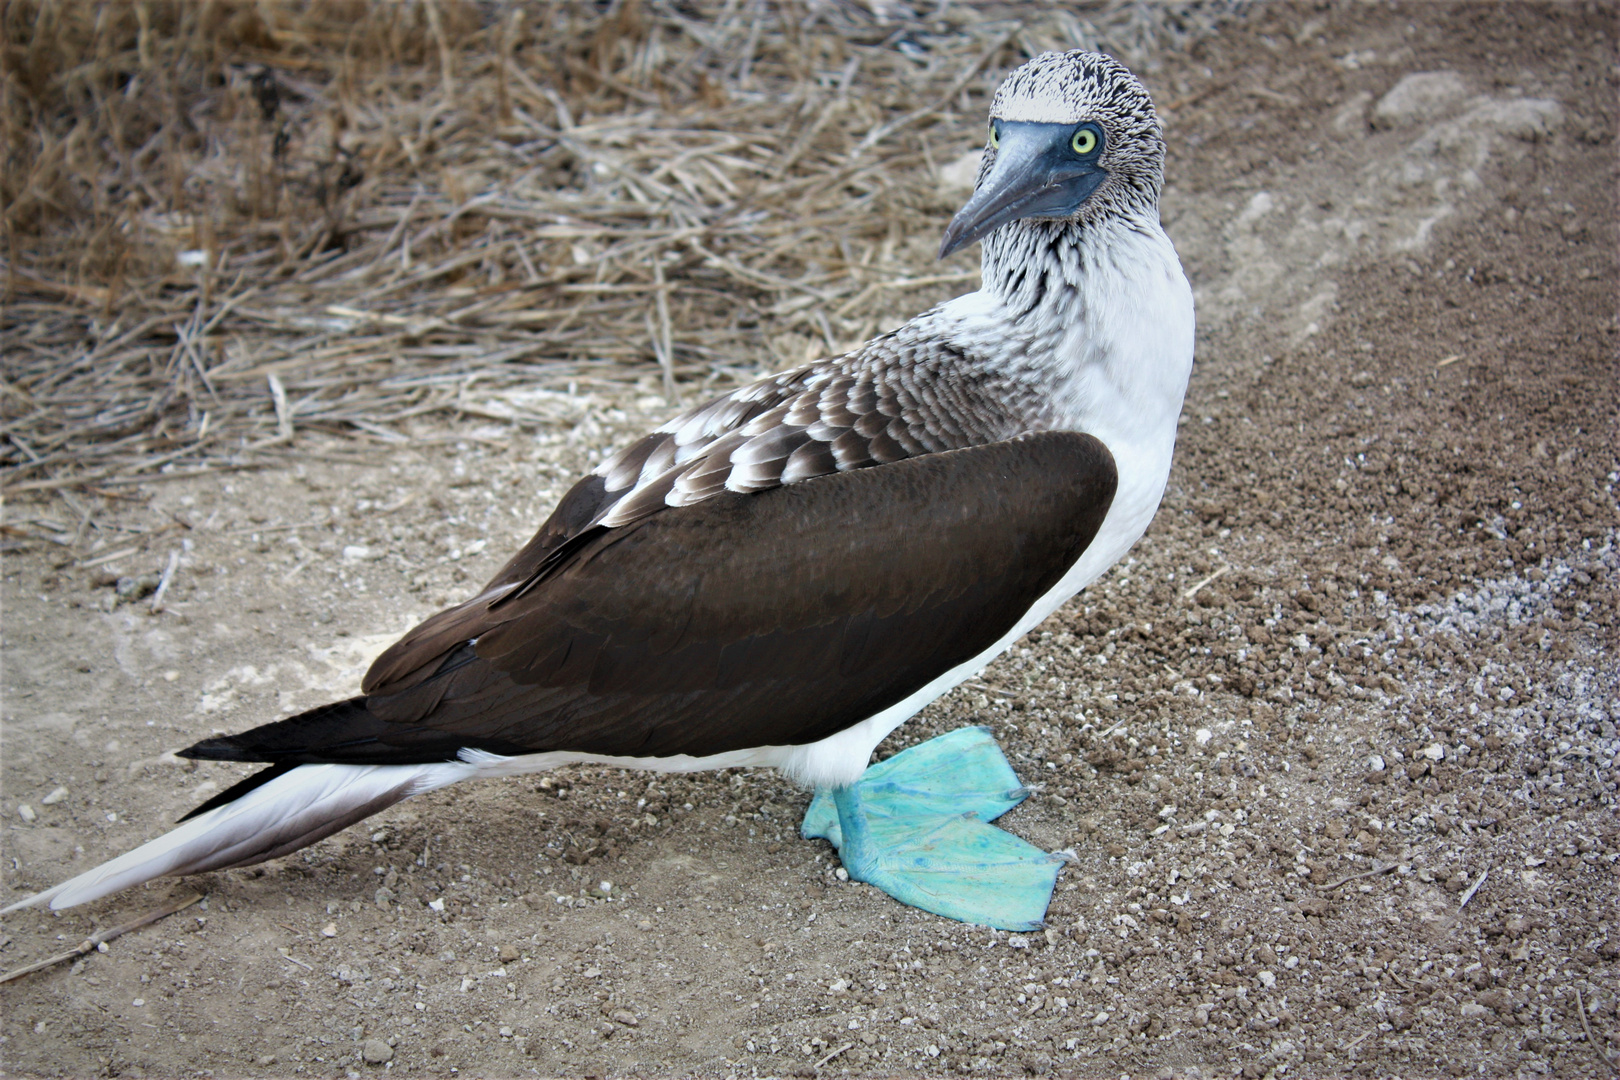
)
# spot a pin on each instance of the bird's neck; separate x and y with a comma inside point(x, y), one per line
point(1102, 310)
point(1098, 318)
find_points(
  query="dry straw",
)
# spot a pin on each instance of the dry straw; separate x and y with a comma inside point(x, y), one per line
point(239, 231)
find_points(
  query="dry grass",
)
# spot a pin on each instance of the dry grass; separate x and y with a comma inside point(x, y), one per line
point(236, 231)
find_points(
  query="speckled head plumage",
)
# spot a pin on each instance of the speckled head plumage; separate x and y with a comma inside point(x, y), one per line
point(1075, 154)
point(1080, 87)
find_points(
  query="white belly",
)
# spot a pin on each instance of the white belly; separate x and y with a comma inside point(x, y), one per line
point(841, 758)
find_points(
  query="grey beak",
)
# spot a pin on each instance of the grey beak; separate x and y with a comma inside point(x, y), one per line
point(1035, 175)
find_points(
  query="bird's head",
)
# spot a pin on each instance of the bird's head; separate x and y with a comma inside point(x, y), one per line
point(1073, 137)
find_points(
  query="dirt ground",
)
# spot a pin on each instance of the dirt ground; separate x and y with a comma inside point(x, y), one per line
point(1335, 750)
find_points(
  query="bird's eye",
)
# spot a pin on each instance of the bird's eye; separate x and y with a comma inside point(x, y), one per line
point(995, 137)
point(1084, 141)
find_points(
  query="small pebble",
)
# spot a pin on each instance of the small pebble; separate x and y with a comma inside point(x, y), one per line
point(376, 1052)
point(506, 1033)
point(1434, 752)
point(625, 1017)
point(56, 796)
point(329, 930)
point(508, 953)
point(1376, 763)
point(26, 812)
point(1268, 980)
point(436, 905)
point(356, 553)
point(591, 972)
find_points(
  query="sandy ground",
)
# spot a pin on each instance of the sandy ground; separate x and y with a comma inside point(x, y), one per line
point(1359, 673)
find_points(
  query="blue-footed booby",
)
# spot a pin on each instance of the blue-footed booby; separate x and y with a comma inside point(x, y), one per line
point(784, 575)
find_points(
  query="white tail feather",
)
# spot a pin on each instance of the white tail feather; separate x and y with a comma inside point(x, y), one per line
point(312, 802)
point(292, 811)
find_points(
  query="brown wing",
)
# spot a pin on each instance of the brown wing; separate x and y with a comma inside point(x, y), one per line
point(773, 618)
point(813, 421)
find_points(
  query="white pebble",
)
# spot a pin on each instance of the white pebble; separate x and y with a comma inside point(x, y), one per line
point(1376, 763)
point(54, 797)
point(436, 905)
point(1202, 736)
point(1268, 980)
point(1434, 752)
point(26, 812)
point(356, 552)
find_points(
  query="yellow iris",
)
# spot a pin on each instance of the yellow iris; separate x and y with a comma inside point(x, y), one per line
point(1084, 141)
point(995, 137)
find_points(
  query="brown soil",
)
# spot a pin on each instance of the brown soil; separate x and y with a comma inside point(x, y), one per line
point(1359, 670)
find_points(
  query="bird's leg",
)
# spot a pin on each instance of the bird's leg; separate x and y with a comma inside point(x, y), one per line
point(917, 827)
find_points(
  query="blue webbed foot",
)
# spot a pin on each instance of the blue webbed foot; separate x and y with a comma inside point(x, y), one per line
point(917, 827)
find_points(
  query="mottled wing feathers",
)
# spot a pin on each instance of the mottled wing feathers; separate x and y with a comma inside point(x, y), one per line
point(830, 417)
point(772, 618)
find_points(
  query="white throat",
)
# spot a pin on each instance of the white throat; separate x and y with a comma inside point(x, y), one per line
point(1100, 319)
